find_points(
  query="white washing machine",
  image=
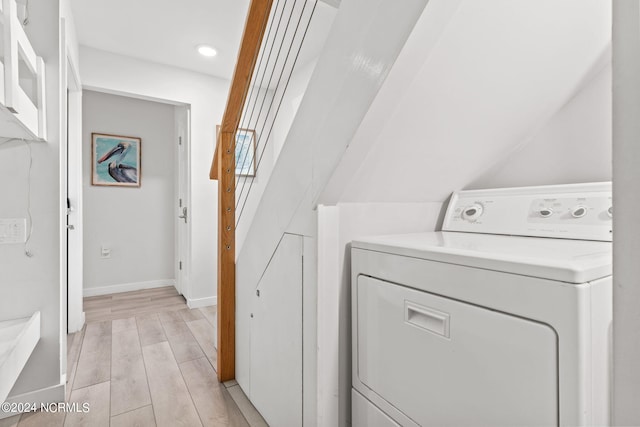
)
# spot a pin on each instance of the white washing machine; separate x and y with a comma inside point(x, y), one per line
point(501, 319)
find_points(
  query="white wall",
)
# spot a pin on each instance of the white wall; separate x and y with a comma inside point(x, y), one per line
point(290, 104)
point(573, 146)
point(73, 48)
point(249, 189)
point(136, 224)
point(206, 96)
point(626, 196)
point(315, 38)
point(33, 283)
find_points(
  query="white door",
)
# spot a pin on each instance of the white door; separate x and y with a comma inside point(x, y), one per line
point(276, 337)
point(75, 314)
point(182, 206)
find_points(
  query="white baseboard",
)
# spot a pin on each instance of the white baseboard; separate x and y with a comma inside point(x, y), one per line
point(77, 327)
point(53, 394)
point(127, 287)
point(201, 302)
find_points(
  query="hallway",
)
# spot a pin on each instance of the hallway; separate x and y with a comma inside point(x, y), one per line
point(145, 359)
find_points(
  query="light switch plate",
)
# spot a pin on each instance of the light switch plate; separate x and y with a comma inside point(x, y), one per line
point(13, 230)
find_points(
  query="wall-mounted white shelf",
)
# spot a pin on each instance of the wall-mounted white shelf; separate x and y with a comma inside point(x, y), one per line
point(18, 338)
point(22, 74)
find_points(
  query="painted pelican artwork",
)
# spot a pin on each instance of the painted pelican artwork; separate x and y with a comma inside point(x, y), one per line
point(116, 160)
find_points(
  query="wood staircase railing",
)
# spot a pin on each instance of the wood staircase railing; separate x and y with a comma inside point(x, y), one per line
point(223, 170)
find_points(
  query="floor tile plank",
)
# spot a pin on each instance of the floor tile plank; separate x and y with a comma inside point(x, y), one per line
point(135, 312)
point(94, 364)
point(189, 315)
point(202, 331)
point(150, 329)
point(97, 396)
point(236, 417)
point(210, 313)
point(142, 417)
point(74, 345)
point(248, 410)
point(97, 298)
point(185, 347)
point(42, 419)
point(207, 393)
point(172, 404)
point(10, 422)
point(129, 388)
point(95, 335)
point(165, 290)
point(125, 324)
point(134, 307)
point(173, 324)
point(125, 343)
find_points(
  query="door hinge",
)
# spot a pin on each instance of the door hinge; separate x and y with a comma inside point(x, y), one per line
point(179, 140)
point(180, 264)
point(180, 203)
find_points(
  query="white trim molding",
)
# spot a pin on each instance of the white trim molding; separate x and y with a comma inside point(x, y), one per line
point(202, 302)
point(128, 287)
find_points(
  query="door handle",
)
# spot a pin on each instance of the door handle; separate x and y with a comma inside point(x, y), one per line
point(184, 215)
point(427, 318)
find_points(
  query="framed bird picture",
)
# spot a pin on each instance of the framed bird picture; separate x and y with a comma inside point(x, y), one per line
point(115, 160)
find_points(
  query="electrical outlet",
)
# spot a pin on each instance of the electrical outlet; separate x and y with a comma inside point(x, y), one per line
point(105, 252)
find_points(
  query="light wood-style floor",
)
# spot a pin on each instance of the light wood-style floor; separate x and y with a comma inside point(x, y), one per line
point(145, 359)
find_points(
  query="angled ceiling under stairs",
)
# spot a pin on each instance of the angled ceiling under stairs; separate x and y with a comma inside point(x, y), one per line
point(474, 80)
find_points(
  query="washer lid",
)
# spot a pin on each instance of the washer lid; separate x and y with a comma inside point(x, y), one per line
point(572, 261)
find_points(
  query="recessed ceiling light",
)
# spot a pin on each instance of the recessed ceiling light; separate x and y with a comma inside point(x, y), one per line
point(206, 50)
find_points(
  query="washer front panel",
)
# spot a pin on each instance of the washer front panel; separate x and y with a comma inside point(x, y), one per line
point(447, 363)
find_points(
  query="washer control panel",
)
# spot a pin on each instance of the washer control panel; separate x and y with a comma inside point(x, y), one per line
point(573, 211)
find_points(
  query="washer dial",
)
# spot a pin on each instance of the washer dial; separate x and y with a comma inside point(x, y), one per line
point(579, 211)
point(473, 212)
point(545, 212)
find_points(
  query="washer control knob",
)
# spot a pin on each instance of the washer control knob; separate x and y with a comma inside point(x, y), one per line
point(610, 211)
point(579, 211)
point(545, 212)
point(473, 212)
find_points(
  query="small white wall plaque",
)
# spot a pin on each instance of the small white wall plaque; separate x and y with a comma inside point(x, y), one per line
point(13, 230)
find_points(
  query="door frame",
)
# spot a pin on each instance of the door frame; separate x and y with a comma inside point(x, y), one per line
point(71, 131)
point(182, 179)
point(182, 120)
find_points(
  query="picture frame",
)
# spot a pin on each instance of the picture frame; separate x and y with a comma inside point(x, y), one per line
point(245, 153)
point(115, 160)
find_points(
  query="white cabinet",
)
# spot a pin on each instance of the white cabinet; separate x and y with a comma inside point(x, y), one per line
point(276, 337)
point(22, 78)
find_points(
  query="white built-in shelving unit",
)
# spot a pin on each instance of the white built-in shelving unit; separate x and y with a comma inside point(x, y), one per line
point(18, 339)
point(22, 80)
